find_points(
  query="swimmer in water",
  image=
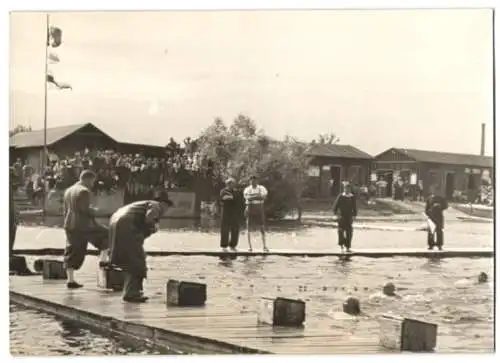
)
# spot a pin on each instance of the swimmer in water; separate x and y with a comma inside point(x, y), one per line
point(469, 281)
point(388, 293)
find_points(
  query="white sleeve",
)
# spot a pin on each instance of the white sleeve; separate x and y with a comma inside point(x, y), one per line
point(245, 193)
point(263, 191)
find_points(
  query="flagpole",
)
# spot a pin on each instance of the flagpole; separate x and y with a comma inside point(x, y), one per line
point(44, 152)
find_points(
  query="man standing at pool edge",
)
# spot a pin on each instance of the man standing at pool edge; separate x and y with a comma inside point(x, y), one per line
point(255, 196)
point(345, 209)
point(434, 207)
point(232, 208)
point(81, 227)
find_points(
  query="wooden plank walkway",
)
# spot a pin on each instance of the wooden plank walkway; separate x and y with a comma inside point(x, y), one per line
point(214, 328)
point(371, 253)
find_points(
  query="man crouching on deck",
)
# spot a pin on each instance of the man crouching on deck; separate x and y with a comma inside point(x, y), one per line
point(346, 210)
point(129, 227)
point(81, 227)
point(255, 195)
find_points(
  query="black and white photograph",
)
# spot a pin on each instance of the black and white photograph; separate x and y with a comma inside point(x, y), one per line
point(251, 181)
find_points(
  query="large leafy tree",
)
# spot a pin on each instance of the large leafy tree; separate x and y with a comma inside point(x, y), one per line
point(242, 150)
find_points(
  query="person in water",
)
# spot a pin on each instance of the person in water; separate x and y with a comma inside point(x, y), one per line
point(346, 211)
point(129, 227)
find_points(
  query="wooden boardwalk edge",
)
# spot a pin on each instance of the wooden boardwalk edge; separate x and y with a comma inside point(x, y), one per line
point(167, 339)
point(369, 253)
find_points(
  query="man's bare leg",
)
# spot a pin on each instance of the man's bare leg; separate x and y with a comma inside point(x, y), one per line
point(249, 237)
point(104, 256)
point(71, 275)
point(263, 235)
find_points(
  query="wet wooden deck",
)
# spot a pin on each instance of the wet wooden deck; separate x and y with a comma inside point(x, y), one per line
point(207, 330)
point(371, 253)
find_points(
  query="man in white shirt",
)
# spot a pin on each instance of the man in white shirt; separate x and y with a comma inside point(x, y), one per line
point(255, 196)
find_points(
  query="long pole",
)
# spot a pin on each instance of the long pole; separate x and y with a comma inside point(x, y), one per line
point(494, 74)
point(45, 153)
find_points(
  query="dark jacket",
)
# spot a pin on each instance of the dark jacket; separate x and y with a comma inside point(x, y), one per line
point(345, 206)
point(128, 230)
point(232, 209)
point(78, 214)
point(434, 208)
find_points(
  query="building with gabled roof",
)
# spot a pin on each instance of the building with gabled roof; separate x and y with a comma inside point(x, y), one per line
point(330, 164)
point(446, 172)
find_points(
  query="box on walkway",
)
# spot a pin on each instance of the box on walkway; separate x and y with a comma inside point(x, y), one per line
point(404, 334)
point(282, 312)
point(182, 293)
point(53, 270)
point(111, 278)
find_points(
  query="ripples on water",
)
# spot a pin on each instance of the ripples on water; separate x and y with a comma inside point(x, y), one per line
point(53, 336)
point(428, 288)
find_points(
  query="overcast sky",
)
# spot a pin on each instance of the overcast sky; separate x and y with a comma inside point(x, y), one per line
point(377, 79)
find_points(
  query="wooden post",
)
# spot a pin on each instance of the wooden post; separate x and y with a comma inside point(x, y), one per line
point(182, 293)
point(111, 278)
point(397, 333)
point(53, 270)
point(282, 312)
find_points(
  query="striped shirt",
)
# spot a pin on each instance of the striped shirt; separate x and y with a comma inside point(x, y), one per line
point(258, 192)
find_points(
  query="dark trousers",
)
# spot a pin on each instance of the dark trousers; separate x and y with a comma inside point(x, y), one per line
point(77, 242)
point(229, 233)
point(345, 234)
point(438, 240)
point(132, 286)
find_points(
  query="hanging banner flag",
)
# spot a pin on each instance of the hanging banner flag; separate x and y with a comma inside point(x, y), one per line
point(54, 58)
point(60, 85)
point(54, 38)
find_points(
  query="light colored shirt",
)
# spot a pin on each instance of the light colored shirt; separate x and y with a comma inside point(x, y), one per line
point(258, 192)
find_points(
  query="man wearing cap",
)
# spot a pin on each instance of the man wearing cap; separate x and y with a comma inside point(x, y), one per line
point(255, 196)
point(80, 226)
point(129, 227)
point(345, 209)
point(232, 208)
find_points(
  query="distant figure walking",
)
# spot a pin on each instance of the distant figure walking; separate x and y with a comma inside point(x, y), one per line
point(346, 210)
point(129, 227)
point(81, 227)
point(232, 211)
point(434, 208)
point(255, 196)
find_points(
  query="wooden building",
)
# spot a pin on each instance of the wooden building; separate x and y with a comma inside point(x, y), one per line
point(146, 150)
point(448, 173)
point(61, 141)
point(330, 164)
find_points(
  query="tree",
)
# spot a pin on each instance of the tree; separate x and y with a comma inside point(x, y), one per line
point(241, 151)
point(327, 139)
point(18, 129)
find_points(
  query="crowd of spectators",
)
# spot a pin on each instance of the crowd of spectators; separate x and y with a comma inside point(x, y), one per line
point(137, 174)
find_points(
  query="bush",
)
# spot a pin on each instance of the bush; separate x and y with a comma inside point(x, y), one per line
point(241, 150)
